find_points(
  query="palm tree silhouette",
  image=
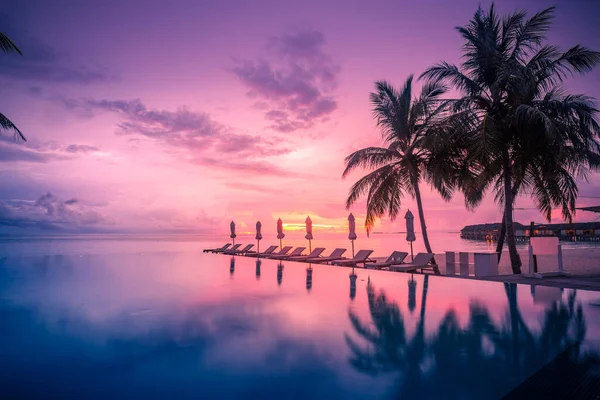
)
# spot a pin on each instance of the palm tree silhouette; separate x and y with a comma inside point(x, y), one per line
point(525, 133)
point(8, 46)
point(409, 155)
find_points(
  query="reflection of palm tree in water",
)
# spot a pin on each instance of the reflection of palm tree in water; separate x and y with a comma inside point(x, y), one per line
point(388, 348)
point(480, 360)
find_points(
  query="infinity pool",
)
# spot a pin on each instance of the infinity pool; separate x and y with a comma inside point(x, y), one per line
point(190, 325)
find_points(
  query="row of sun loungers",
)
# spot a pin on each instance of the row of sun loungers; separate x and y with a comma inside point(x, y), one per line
point(395, 262)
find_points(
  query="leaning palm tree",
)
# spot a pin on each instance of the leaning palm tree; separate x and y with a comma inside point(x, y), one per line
point(527, 135)
point(409, 156)
point(7, 46)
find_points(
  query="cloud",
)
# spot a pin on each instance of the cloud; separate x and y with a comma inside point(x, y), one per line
point(81, 148)
point(12, 151)
point(41, 62)
point(49, 212)
point(295, 81)
point(194, 133)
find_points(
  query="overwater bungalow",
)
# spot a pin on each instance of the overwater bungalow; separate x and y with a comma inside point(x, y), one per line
point(578, 231)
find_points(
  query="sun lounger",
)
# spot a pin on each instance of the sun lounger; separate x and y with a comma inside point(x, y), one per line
point(315, 253)
point(225, 247)
point(297, 252)
point(421, 261)
point(360, 258)
point(396, 258)
point(242, 251)
point(283, 251)
point(335, 255)
point(265, 253)
point(235, 247)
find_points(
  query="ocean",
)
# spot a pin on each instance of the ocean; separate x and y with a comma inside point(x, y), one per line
point(381, 243)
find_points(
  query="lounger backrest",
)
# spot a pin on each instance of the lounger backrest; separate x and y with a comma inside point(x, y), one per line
point(422, 259)
point(245, 249)
point(270, 249)
point(284, 250)
point(235, 247)
point(362, 255)
point(297, 251)
point(397, 257)
point(225, 246)
point(316, 252)
point(337, 253)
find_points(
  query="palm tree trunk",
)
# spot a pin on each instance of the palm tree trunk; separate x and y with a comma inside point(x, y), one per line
point(501, 238)
point(422, 219)
point(515, 260)
point(502, 235)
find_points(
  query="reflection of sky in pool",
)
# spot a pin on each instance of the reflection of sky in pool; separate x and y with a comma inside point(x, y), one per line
point(184, 325)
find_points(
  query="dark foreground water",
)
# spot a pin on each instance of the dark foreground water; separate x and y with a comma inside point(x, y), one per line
point(189, 325)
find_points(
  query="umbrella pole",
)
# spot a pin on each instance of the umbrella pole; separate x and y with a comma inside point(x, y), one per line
point(411, 252)
point(280, 244)
point(352, 248)
point(258, 246)
point(309, 246)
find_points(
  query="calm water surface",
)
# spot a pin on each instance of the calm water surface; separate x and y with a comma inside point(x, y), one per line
point(182, 324)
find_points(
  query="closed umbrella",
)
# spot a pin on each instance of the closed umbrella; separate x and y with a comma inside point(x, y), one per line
point(232, 228)
point(309, 235)
point(410, 230)
point(280, 234)
point(258, 236)
point(352, 231)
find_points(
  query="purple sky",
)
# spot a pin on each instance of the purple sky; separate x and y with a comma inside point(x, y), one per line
point(183, 115)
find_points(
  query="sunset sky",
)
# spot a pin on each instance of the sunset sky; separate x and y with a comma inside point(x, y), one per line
point(181, 115)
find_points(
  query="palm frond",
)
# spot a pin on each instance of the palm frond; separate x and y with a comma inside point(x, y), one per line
point(368, 158)
point(7, 124)
point(7, 45)
point(532, 32)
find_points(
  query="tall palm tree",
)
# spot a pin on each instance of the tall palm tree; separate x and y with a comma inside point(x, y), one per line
point(526, 133)
point(7, 46)
point(409, 155)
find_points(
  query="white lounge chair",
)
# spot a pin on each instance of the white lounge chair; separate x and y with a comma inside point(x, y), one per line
point(360, 258)
point(265, 253)
point(396, 258)
point(234, 248)
point(315, 253)
point(218, 249)
point(297, 252)
point(421, 261)
point(283, 251)
point(335, 255)
point(242, 251)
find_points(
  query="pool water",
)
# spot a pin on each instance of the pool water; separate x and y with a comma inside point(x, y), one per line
point(192, 325)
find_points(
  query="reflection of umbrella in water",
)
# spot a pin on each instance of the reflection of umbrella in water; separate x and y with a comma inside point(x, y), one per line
point(280, 234)
point(352, 285)
point(258, 262)
point(410, 230)
point(352, 231)
point(279, 273)
point(232, 229)
point(232, 266)
point(258, 236)
point(309, 235)
point(309, 272)
point(412, 294)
